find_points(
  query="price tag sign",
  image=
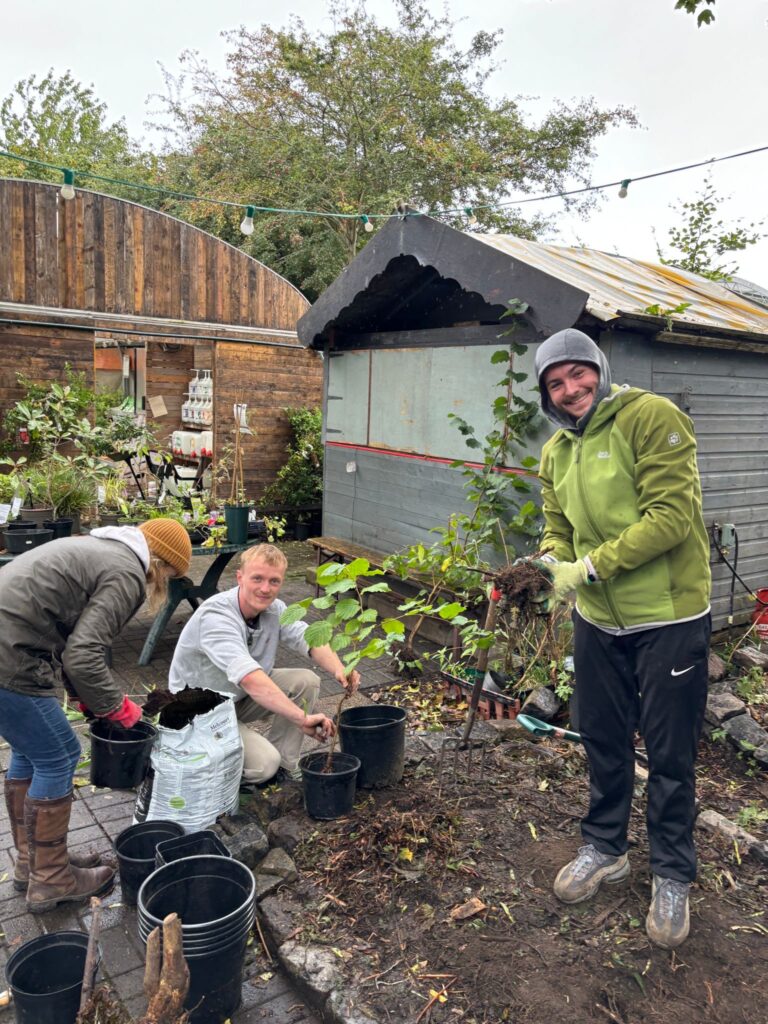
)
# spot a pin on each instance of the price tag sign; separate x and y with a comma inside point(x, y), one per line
point(4, 510)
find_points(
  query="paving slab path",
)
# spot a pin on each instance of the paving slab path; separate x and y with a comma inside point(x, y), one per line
point(99, 815)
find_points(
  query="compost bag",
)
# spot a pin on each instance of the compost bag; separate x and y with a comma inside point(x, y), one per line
point(196, 762)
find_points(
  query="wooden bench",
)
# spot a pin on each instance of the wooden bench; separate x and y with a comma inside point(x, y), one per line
point(338, 550)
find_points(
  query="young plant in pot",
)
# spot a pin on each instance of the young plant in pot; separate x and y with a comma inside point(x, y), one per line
point(298, 486)
point(356, 631)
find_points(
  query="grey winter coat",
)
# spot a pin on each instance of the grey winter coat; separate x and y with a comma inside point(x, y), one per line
point(61, 605)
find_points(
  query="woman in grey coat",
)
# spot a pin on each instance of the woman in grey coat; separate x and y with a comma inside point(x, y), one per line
point(61, 606)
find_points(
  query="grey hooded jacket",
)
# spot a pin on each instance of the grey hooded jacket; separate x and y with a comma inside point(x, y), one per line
point(61, 605)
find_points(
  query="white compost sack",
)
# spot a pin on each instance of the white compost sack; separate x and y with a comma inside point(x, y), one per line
point(194, 771)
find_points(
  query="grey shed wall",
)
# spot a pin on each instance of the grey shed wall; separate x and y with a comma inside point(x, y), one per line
point(726, 395)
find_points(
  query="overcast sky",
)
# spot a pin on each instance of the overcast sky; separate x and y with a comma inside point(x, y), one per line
point(699, 93)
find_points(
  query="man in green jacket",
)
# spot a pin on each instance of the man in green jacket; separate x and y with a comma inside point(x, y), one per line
point(623, 527)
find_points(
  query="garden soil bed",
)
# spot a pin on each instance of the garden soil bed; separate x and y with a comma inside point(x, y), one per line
point(436, 900)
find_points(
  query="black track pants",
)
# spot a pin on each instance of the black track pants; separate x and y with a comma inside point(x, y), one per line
point(654, 681)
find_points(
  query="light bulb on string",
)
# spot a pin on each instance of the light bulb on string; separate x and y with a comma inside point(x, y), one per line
point(624, 188)
point(367, 225)
point(246, 224)
point(67, 190)
point(471, 218)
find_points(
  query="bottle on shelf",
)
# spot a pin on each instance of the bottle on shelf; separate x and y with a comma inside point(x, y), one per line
point(194, 384)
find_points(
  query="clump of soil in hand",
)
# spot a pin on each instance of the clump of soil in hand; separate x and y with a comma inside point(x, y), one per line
point(522, 582)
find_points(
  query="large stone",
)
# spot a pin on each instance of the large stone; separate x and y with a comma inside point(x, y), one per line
point(541, 703)
point(314, 969)
point(744, 732)
point(277, 922)
point(247, 843)
point(717, 668)
point(343, 1006)
point(712, 821)
point(286, 832)
point(761, 756)
point(721, 707)
point(727, 685)
point(749, 657)
point(277, 862)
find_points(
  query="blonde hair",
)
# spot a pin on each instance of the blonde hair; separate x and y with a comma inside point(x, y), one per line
point(158, 574)
point(267, 553)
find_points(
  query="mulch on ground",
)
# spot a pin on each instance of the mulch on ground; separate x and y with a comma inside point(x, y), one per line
point(436, 897)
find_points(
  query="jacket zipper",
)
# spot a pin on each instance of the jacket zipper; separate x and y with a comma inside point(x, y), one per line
point(595, 529)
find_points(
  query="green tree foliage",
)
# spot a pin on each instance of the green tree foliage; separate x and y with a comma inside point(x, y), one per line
point(704, 16)
point(701, 239)
point(355, 119)
point(60, 121)
point(299, 480)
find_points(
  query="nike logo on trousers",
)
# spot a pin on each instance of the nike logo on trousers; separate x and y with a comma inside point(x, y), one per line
point(682, 671)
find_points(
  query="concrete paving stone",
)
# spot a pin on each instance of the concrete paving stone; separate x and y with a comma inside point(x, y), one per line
point(95, 798)
point(112, 812)
point(89, 834)
point(12, 903)
point(135, 1006)
point(120, 955)
point(114, 914)
point(65, 918)
point(127, 986)
point(20, 929)
point(81, 816)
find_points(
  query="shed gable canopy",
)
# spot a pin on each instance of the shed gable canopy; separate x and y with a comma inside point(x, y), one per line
point(417, 272)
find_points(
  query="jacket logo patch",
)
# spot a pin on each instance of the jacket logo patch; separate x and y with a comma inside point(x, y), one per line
point(674, 438)
point(603, 455)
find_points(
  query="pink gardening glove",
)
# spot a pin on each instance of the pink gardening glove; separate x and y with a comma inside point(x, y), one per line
point(126, 715)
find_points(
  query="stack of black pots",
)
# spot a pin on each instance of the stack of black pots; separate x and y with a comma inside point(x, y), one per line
point(215, 898)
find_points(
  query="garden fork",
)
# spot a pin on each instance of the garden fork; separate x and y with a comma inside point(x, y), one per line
point(463, 744)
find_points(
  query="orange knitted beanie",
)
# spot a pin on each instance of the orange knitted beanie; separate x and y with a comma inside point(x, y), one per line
point(170, 541)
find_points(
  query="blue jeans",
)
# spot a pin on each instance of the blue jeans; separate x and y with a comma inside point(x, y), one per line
point(43, 746)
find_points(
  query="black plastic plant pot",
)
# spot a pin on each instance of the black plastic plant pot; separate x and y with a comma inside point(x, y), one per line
point(211, 895)
point(136, 848)
point(329, 794)
point(120, 757)
point(375, 733)
point(59, 527)
point(45, 977)
point(19, 541)
point(194, 844)
point(21, 524)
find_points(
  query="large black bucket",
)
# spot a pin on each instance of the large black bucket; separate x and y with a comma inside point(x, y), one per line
point(376, 734)
point(215, 898)
point(136, 849)
point(194, 844)
point(45, 977)
point(329, 795)
point(120, 757)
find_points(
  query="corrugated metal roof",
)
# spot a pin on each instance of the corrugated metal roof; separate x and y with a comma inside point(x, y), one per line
point(618, 283)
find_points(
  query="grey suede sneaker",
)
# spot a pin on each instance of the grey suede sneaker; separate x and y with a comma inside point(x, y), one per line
point(583, 876)
point(669, 919)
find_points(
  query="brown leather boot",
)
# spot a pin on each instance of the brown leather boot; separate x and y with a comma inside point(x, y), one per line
point(15, 791)
point(52, 879)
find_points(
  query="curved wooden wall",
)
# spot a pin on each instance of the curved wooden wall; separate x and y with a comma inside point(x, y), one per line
point(107, 255)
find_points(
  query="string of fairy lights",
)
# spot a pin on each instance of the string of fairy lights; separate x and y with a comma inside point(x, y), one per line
point(247, 227)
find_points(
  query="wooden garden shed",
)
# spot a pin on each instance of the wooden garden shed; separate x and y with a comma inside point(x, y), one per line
point(408, 329)
point(101, 283)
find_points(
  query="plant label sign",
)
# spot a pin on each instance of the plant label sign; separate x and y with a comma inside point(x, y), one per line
point(15, 506)
point(4, 510)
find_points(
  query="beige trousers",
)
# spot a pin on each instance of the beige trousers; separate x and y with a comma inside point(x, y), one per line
point(280, 745)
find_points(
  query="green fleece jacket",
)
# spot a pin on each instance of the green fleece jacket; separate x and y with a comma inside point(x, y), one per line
point(627, 493)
